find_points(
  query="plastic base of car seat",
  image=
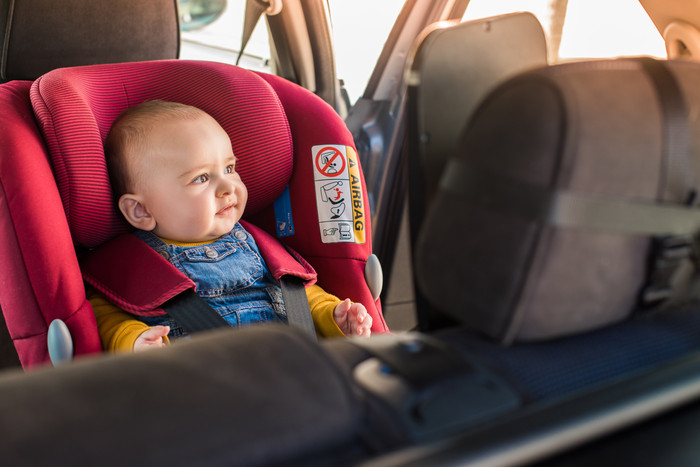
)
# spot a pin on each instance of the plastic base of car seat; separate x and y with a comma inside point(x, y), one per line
point(432, 389)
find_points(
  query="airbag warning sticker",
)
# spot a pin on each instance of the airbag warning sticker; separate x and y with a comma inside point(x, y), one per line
point(341, 207)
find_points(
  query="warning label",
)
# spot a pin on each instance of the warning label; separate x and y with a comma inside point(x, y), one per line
point(341, 210)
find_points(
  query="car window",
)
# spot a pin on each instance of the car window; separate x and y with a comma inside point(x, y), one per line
point(591, 29)
point(212, 30)
point(359, 38)
point(217, 36)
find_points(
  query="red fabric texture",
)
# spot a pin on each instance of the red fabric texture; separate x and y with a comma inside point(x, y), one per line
point(279, 260)
point(133, 276)
point(340, 266)
point(40, 275)
point(76, 107)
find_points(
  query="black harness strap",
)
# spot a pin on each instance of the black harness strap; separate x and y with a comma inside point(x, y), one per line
point(297, 305)
point(191, 312)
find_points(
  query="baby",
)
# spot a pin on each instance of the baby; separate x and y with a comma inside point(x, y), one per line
point(174, 172)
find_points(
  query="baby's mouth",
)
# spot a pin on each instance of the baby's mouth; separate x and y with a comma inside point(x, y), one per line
point(226, 209)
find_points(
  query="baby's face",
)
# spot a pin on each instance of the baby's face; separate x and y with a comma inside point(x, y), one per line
point(188, 181)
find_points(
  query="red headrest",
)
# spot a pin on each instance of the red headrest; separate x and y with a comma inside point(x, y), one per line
point(77, 106)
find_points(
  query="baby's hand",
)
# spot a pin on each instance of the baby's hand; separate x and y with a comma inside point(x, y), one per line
point(151, 338)
point(352, 319)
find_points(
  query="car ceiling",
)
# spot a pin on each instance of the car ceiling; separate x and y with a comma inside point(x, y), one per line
point(663, 12)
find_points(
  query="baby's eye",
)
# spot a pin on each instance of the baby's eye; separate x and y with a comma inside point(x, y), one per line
point(201, 179)
point(230, 169)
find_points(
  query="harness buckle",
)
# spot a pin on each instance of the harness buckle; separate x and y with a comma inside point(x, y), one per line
point(669, 255)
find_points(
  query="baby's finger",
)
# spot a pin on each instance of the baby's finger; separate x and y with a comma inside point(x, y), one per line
point(366, 326)
point(363, 317)
point(359, 311)
point(161, 330)
point(342, 309)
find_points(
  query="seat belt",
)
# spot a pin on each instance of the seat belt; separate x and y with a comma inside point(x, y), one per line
point(254, 10)
point(194, 314)
point(676, 182)
point(297, 305)
point(669, 254)
point(191, 312)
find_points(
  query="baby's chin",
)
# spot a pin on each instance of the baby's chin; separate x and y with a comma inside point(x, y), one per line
point(208, 233)
point(220, 230)
point(192, 237)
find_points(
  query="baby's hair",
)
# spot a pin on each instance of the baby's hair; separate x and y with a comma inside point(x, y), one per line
point(128, 137)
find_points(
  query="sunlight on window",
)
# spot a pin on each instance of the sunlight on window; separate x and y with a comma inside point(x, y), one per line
point(220, 41)
point(592, 29)
point(623, 29)
point(484, 8)
point(359, 38)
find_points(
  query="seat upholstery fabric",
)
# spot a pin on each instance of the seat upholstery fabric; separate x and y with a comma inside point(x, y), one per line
point(40, 275)
point(41, 35)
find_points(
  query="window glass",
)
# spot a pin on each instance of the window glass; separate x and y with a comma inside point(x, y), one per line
point(195, 14)
point(592, 28)
point(220, 40)
point(359, 37)
point(210, 34)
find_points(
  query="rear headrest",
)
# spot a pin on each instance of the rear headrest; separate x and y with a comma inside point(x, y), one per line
point(42, 35)
point(543, 219)
point(448, 80)
point(76, 107)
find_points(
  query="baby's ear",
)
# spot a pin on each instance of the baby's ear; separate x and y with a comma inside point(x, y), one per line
point(135, 212)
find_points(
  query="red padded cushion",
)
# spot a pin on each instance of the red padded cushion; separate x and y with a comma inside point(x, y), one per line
point(40, 276)
point(76, 107)
point(340, 266)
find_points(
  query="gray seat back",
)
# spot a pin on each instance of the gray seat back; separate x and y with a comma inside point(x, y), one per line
point(565, 176)
point(451, 69)
point(41, 35)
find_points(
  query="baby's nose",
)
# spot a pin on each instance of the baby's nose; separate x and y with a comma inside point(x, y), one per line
point(226, 188)
point(233, 194)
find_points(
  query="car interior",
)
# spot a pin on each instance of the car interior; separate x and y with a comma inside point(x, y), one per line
point(552, 222)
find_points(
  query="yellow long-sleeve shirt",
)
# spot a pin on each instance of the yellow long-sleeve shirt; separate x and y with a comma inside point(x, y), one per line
point(119, 330)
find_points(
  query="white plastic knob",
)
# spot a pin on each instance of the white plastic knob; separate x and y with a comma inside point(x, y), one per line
point(60, 343)
point(374, 276)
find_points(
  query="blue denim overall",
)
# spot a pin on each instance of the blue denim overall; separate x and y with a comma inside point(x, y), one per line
point(230, 275)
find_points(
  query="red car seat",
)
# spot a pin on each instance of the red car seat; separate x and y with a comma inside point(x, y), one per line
point(282, 135)
point(117, 31)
